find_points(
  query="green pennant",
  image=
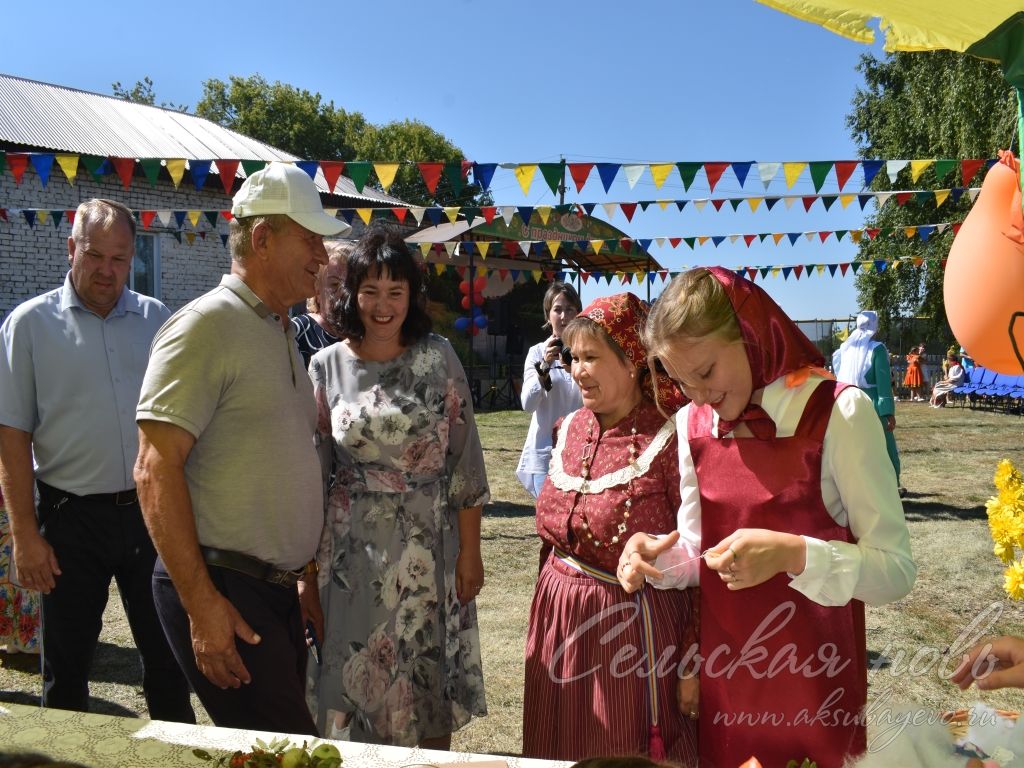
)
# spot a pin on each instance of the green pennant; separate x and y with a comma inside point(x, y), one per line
point(177, 236)
point(819, 170)
point(735, 202)
point(93, 164)
point(3, 161)
point(56, 217)
point(554, 175)
point(453, 172)
point(359, 172)
point(924, 196)
point(645, 204)
point(855, 266)
point(608, 277)
point(563, 209)
point(942, 168)
point(471, 212)
point(841, 233)
point(251, 166)
point(809, 269)
point(151, 167)
point(762, 235)
point(211, 216)
point(828, 200)
point(690, 241)
point(764, 272)
point(687, 172)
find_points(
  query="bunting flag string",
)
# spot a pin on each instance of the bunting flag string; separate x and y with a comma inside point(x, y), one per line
point(457, 172)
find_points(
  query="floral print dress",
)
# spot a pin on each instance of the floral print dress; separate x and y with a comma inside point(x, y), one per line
point(400, 655)
point(19, 608)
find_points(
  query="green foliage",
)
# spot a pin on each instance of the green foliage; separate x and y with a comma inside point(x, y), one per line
point(938, 104)
point(142, 93)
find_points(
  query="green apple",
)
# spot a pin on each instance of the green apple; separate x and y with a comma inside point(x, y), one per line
point(325, 752)
point(295, 757)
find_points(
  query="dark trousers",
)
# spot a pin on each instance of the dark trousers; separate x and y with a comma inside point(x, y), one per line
point(94, 542)
point(275, 699)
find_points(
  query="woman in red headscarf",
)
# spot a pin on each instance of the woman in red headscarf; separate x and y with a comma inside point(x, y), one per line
point(601, 666)
point(790, 522)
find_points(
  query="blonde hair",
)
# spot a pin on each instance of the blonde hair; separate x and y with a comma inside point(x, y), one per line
point(693, 306)
point(338, 252)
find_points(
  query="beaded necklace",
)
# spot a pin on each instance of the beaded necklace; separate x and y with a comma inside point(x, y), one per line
point(588, 450)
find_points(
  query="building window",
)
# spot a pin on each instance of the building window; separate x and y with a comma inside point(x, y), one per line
point(146, 266)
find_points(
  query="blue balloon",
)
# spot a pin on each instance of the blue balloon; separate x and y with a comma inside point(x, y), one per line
point(481, 321)
point(461, 323)
point(477, 312)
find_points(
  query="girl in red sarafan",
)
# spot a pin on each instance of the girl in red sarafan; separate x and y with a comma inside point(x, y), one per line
point(19, 608)
point(914, 379)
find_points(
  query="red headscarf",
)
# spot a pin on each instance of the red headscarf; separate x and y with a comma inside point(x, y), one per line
point(622, 317)
point(775, 344)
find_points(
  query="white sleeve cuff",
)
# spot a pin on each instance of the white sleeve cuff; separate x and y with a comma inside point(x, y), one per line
point(831, 572)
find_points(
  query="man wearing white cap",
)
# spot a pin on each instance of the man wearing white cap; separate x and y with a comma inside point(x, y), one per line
point(227, 474)
point(862, 361)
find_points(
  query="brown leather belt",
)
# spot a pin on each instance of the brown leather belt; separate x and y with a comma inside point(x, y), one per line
point(250, 566)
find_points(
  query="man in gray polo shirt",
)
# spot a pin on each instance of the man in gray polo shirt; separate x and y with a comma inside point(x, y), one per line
point(228, 475)
point(71, 364)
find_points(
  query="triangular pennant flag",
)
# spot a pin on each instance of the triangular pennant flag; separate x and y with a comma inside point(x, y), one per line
point(125, 168)
point(97, 166)
point(764, 272)
point(660, 172)
point(165, 217)
point(425, 250)
point(177, 236)
point(968, 168)
point(828, 200)
point(798, 270)
point(789, 200)
point(147, 218)
point(488, 212)
point(808, 201)
point(688, 172)
point(855, 266)
point(525, 212)
point(633, 172)
point(785, 272)
point(871, 169)
point(714, 172)
point(483, 246)
point(359, 172)
point(777, 237)
point(434, 214)
point(718, 203)
point(55, 217)
point(332, 170)
point(832, 270)
point(883, 197)
point(400, 213)
point(431, 173)
point(524, 246)
point(735, 202)
point(212, 217)
point(644, 243)
point(865, 199)
point(925, 231)
point(42, 215)
point(179, 218)
point(942, 169)
point(628, 209)
point(544, 212)
point(365, 214)
point(845, 200)
point(823, 235)
point(507, 212)
point(199, 170)
point(309, 166)
point(224, 240)
point(249, 166)
point(449, 247)
point(701, 239)
point(176, 170)
point(42, 162)
point(483, 173)
point(819, 171)
point(924, 196)
point(553, 247)
point(193, 216)
point(748, 239)
point(417, 212)
point(348, 215)
point(754, 203)
point(385, 174)
point(841, 233)
point(844, 170)
point(872, 232)
point(940, 196)
point(226, 169)
point(699, 204)
point(767, 172)
point(690, 241)
point(751, 273)
point(902, 198)
point(524, 175)
point(893, 168)
point(452, 212)
point(770, 202)
point(741, 170)
point(470, 212)
point(674, 241)
point(607, 172)
point(579, 173)
point(191, 237)
point(880, 265)
point(972, 193)
point(910, 231)
point(792, 172)
point(553, 174)
point(68, 164)
point(793, 237)
point(917, 167)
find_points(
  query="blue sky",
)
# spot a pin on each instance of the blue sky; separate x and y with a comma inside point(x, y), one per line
point(524, 82)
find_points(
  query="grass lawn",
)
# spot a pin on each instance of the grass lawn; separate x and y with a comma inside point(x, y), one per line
point(949, 457)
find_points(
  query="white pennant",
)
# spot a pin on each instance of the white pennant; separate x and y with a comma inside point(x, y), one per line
point(789, 200)
point(633, 172)
point(733, 238)
point(165, 217)
point(450, 247)
point(699, 204)
point(972, 193)
point(610, 209)
point(417, 213)
point(882, 198)
point(507, 212)
point(893, 168)
point(660, 241)
point(810, 236)
point(940, 228)
point(767, 172)
point(524, 246)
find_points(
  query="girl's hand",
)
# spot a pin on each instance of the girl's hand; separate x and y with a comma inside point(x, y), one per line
point(469, 574)
point(688, 695)
point(637, 558)
point(750, 556)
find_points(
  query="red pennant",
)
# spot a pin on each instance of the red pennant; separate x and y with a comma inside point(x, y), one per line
point(843, 267)
point(584, 275)
point(511, 248)
point(799, 268)
point(579, 173)
point(147, 218)
point(844, 170)
point(748, 239)
point(967, 167)
point(823, 236)
point(956, 228)
point(718, 204)
point(125, 167)
point(549, 275)
point(808, 202)
point(17, 162)
point(467, 166)
point(502, 273)
point(872, 233)
point(488, 212)
point(227, 170)
point(752, 273)
point(903, 197)
point(626, 244)
point(202, 235)
point(400, 212)
point(942, 263)
point(461, 271)
point(628, 209)
point(227, 215)
point(714, 172)
point(3, 215)
point(431, 173)
point(627, 278)
point(675, 241)
point(663, 274)
point(332, 170)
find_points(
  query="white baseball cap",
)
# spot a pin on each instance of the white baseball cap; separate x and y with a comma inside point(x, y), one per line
point(282, 188)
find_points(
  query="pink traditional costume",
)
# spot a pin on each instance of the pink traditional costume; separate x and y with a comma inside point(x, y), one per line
point(783, 674)
point(590, 690)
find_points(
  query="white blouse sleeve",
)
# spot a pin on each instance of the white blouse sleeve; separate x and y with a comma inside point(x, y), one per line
point(859, 489)
point(533, 392)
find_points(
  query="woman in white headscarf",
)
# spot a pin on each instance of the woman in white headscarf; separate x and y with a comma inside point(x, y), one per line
point(865, 362)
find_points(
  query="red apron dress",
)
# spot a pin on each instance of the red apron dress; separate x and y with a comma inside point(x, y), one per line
point(783, 678)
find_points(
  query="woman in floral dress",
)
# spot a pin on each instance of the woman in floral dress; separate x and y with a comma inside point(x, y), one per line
point(400, 559)
point(19, 608)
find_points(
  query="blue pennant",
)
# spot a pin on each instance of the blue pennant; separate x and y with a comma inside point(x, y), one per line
point(680, 204)
point(30, 217)
point(467, 248)
point(926, 231)
point(434, 214)
point(880, 265)
point(179, 218)
point(645, 244)
point(42, 162)
point(956, 193)
point(871, 169)
point(589, 208)
point(582, 245)
point(769, 202)
point(717, 240)
point(864, 200)
point(607, 172)
point(199, 169)
point(347, 214)
point(793, 237)
point(482, 174)
point(832, 269)
point(309, 166)
point(525, 212)
point(741, 170)
point(785, 272)
point(560, 276)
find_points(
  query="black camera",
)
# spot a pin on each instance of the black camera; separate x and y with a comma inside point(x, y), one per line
point(565, 354)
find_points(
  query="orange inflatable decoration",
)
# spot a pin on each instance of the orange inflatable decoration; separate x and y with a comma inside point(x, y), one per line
point(984, 281)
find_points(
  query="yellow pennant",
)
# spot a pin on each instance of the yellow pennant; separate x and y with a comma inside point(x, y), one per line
point(792, 171)
point(703, 239)
point(452, 212)
point(663, 204)
point(439, 268)
point(68, 164)
point(193, 216)
point(175, 169)
point(777, 236)
point(660, 172)
point(597, 245)
point(845, 200)
point(42, 216)
point(535, 274)
point(754, 203)
point(544, 211)
point(856, 235)
point(425, 249)
point(910, 231)
point(553, 247)
point(190, 237)
point(941, 195)
point(699, 204)
point(385, 173)
point(524, 175)
point(820, 268)
point(365, 214)
point(483, 246)
point(917, 167)
point(775, 271)
point(621, 276)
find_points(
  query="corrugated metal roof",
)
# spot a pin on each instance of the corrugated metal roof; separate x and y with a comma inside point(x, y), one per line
point(61, 119)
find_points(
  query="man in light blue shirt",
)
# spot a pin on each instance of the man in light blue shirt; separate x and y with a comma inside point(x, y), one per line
point(71, 367)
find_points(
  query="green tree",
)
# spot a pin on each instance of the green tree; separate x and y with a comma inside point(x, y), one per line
point(142, 93)
point(939, 105)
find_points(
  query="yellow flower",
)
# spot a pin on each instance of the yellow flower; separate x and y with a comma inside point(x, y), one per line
point(1013, 580)
point(1007, 475)
point(1004, 552)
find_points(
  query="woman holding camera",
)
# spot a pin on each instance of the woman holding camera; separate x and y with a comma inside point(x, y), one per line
point(548, 390)
point(590, 648)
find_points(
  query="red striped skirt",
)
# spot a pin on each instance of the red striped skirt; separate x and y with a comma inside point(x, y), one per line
point(586, 670)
